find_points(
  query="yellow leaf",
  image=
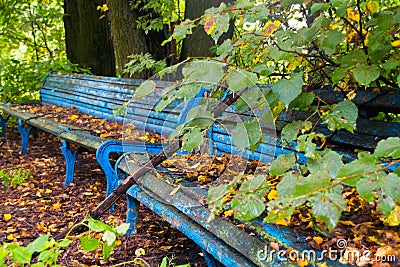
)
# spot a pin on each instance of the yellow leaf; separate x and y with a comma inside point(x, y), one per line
point(202, 178)
point(104, 135)
point(270, 27)
point(209, 25)
point(140, 252)
point(396, 43)
point(48, 191)
point(372, 7)
point(273, 194)
point(228, 213)
point(284, 221)
point(353, 14)
point(10, 237)
point(73, 117)
point(394, 218)
point(318, 239)
point(7, 216)
point(176, 189)
point(57, 206)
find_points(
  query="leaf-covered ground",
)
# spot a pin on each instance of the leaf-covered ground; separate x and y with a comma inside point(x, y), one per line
point(43, 205)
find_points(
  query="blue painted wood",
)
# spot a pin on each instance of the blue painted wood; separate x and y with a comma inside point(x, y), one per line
point(132, 213)
point(70, 159)
point(3, 122)
point(192, 230)
point(116, 146)
point(24, 132)
point(209, 259)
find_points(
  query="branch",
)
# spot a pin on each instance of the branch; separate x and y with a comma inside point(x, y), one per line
point(174, 146)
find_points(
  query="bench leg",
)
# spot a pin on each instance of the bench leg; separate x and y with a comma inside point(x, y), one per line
point(24, 132)
point(70, 159)
point(210, 260)
point(131, 214)
point(3, 121)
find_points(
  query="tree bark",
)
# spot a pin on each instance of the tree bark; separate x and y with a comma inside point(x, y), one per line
point(87, 37)
point(128, 39)
point(199, 43)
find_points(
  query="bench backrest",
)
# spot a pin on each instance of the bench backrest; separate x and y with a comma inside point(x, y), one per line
point(99, 96)
point(366, 136)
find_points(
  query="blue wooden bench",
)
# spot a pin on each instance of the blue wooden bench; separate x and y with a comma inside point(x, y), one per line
point(98, 96)
point(220, 240)
point(223, 242)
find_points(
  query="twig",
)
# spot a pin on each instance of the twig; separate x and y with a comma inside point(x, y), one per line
point(168, 151)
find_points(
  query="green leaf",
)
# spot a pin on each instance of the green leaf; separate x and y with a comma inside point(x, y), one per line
point(121, 229)
point(386, 205)
point(238, 79)
point(311, 183)
point(240, 137)
point(328, 207)
point(164, 102)
point(21, 255)
point(177, 131)
point(216, 193)
point(39, 244)
point(247, 206)
point(342, 116)
point(339, 74)
point(291, 130)
point(353, 58)
point(253, 183)
point(288, 90)
point(145, 89)
point(203, 71)
point(388, 148)
point(365, 74)
point(107, 250)
point(188, 91)
point(303, 101)
point(305, 144)
point(98, 226)
point(356, 168)
point(40, 264)
point(221, 25)
point(254, 133)
point(182, 30)
point(366, 187)
point(319, 6)
point(89, 244)
point(109, 237)
point(200, 117)
point(390, 185)
point(282, 163)
point(287, 186)
point(331, 163)
point(64, 243)
point(192, 139)
point(3, 254)
point(332, 39)
point(45, 256)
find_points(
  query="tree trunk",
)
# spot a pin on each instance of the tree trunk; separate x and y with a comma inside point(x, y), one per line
point(128, 39)
point(87, 37)
point(199, 43)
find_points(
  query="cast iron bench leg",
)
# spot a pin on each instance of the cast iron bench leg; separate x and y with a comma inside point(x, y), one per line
point(131, 214)
point(3, 122)
point(24, 132)
point(210, 260)
point(70, 159)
